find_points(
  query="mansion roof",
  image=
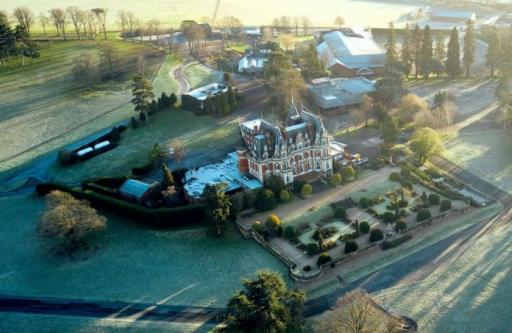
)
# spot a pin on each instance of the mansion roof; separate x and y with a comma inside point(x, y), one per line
point(266, 141)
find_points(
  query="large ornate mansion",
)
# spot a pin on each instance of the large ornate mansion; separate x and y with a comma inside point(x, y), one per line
point(299, 148)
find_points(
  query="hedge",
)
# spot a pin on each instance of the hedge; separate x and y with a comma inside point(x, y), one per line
point(376, 235)
point(312, 249)
point(350, 246)
point(446, 205)
point(423, 215)
point(146, 168)
point(157, 217)
point(386, 245)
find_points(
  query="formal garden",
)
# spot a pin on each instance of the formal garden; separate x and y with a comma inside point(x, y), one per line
point(381, 214)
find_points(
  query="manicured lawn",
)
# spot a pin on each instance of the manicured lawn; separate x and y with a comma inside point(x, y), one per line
point(43, 107)
point(200, 75)
point(179, 267)
point(239, 47)
point(484, 153)
point(203, 133)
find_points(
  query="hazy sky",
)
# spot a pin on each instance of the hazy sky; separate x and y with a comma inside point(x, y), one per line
point(321, 12)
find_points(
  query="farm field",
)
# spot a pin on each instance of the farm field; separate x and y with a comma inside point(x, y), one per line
point(132, 263)
point(469, 294)
point(484, 153)
point(362, 13)
point(44, 109)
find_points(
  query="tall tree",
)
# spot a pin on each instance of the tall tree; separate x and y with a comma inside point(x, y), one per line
point(76, 15)
point(265, 305)
point(406, 54)
point(59, 19)
point(416, 49)
point(24, 16)
point(339, 21)
point(101, 17)
point(425, 143)
point(306, 25)
point(427, 53)
point(122, 15)
point(84, 69)
point(132, 23)
point(439, 54)
point(469, 47)
point(7, 39)
point(494, 51)
point(311, 65)
point(453, 55)
point(391, 52)
point(109, 59)
point(44, 21)
point(217, 206)
point(142, 93)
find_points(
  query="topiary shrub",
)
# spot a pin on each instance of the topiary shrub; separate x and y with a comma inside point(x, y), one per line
point(323, 259)
point(290, 232)
point(364, 203)
point(306, 190)
point(423, 215)
point(258, 227)
point(306, 268)
point(312, 249)
point(349, 173)
point(265, 200)
point(336, 179)
point(297, 185)
point(350, 246)
point(388, 217)
point(445, 205)
point(273, 223)
point(284, 196)
point(394, 176)
point(433, 199)
point(340, 213)
point(400, 226)
point(364, 227)
point(376, 235)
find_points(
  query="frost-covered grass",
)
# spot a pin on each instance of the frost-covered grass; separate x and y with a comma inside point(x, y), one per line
point(442, 231)
point(376, 190)
point(199, 75)
point(196, 132)
point(484, 153)
point(164, 81)
point(44, 108)
point(313, 215)
point(184, 266)
point(22, 322)
point(469, 294)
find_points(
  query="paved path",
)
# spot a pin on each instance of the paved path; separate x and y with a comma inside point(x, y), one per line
point(184, 83)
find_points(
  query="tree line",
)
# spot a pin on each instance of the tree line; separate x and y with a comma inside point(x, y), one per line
point(15, 42)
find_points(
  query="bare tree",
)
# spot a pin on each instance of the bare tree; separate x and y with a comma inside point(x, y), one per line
point(233, 25)
point(69, 219)
point(122, 15)
point(296, 24)
point(356, 313)
point(306, 24)
point(286, 23)
point(286, 40)
point(91, 23)
point(59, 19)
point(132, 23)
point(76, 15)
point(101, 18)
point(24, 16)
point(339, 21)
point(109, 57)
point(44, 21)
point(84, 69)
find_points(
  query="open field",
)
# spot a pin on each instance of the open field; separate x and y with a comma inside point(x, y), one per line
point(362, 13)
point(484, 152)
point(133, 264)
point(466, 293)
point(199, 75)
point(204, 133)
point(43, 108)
